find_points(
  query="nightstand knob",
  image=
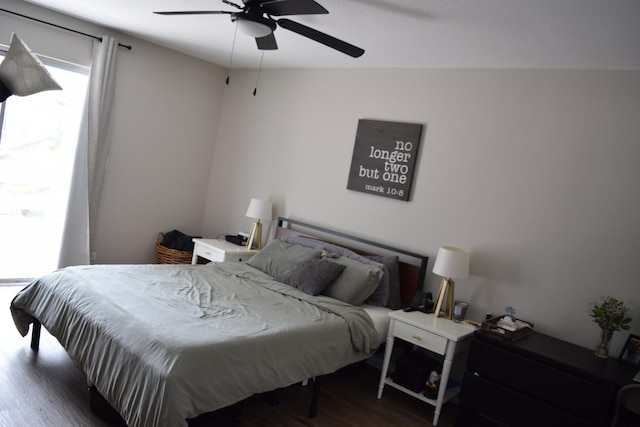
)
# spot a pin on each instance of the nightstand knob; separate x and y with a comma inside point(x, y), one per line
point(416, 337)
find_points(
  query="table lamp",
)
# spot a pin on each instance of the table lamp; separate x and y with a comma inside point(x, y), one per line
point(451, 263)
point(258, 210)
point(22, 73)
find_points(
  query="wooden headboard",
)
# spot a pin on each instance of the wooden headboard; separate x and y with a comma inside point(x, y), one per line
point(413, 266)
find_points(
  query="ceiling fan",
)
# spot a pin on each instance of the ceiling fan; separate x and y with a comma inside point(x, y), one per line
point(255, 18)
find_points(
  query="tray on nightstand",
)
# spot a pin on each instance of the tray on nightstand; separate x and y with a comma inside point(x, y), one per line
point(491, 326)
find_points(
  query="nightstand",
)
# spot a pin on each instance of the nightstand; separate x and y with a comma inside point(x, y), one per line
point(441, 336)
point(220, 250)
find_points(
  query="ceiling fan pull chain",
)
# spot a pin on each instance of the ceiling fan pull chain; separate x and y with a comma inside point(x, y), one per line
point(255, 89)
point(231, 56)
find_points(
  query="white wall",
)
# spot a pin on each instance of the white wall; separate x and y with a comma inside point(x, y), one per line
point(165, 122)
point(536, 172)
point(164, 126)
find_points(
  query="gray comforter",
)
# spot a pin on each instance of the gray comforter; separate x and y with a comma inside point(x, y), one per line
point(163, 343)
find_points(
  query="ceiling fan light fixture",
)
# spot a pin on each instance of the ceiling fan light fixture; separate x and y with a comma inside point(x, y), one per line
point(255, 27)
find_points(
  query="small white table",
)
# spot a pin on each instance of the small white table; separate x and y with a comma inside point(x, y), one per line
point(437, 334)
point(220, 250)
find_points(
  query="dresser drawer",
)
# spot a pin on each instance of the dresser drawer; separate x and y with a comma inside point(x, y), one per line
point(510, 408)
point(419, 337)
point(581, 397)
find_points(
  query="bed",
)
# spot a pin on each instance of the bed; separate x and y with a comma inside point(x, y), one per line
point(164, 344)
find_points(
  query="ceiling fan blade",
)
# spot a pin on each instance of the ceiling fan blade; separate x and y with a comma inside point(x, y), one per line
point(267, 42)
point(323, 38)
point(292, 7)
point(196, 12)
point(230, 3)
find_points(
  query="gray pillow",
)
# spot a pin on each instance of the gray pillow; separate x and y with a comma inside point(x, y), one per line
point(356, 283)
point(311, 275)
point(278, 257)
point(392, 264)
point(381, 294)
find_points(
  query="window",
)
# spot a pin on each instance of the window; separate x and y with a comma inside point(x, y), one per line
point(38, 137)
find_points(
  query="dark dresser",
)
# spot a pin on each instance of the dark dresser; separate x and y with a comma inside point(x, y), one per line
point(538, 381)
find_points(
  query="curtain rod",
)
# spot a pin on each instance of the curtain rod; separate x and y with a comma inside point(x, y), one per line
point(60, 27)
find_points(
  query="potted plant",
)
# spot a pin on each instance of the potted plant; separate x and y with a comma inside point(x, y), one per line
point(611, 315)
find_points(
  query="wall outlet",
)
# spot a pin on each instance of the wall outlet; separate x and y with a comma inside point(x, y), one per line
point(94, 256)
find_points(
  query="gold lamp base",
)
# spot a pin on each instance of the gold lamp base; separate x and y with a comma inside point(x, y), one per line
point(255, 236)
point(446, 288)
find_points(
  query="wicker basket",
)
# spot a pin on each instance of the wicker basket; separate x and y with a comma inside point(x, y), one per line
point(170, 256)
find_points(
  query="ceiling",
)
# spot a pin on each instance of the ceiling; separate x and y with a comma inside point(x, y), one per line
point(557, 34)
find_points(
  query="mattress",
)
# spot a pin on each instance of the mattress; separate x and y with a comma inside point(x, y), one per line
point(163, 343)
point(380, 318)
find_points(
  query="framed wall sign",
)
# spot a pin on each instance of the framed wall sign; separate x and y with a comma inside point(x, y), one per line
point(384, 158)
point(631, 351)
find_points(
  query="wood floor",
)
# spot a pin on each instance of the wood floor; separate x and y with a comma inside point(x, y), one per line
point(48, 389)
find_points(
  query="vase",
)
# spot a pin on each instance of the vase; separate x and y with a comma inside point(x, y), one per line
point(602, 349)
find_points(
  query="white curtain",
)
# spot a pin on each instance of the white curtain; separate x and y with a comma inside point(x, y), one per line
point(91, 157)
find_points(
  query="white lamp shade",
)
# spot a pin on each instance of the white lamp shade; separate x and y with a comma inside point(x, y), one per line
point(22, 73)
point(452, 263)
point(260, 209)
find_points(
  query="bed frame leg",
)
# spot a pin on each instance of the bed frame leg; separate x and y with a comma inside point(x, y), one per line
point(313, 411)
point(35, 335)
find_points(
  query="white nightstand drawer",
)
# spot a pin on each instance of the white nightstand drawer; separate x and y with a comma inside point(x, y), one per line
point(237, 257)
point(420, 337)
point(220, 250)
point(209, 254)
